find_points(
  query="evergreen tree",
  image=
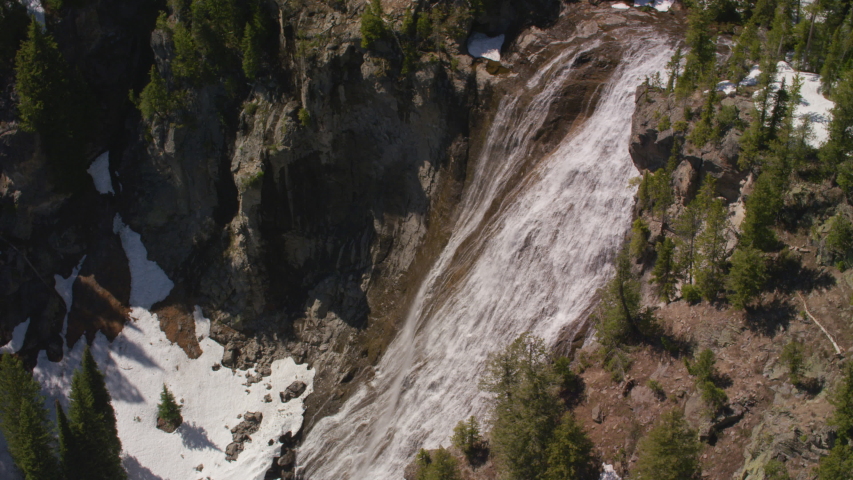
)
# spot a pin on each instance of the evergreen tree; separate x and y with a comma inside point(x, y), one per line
point(711, 249)
point(440, 465)
point(619, 309)
point(762, 209)
point(24, 423)
point(526, 407)
point(168, 409)
point(747, 275)
point(839, 463)
point(251, 52)
point(838, 150)
point(663, 273)
point(673, 68)
point(69, 451)
point(466, 437)
point(570, 453)
point(670, 451)
point(372, 25)
point(14, 23)
point(41, 80)
point(639, 238)
point(93, 425)
point(699, 68)
point(155, 100)
point(703, 132)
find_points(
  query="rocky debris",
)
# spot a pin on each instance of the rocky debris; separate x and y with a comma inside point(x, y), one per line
point(168, 427)
point(242, 433)
point(294, 390)
point(267, 398)
point(200, 467)
point(597, 416)
point(283, 464)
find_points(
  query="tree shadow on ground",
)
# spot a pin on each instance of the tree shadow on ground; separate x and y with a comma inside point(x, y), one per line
point(195, 437)
point(766, 319)
point(136, 471)
point(789, 275)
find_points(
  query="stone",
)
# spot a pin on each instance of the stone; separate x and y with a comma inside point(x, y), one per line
point(295, 389)
point(287, 460)
point(199, 467)
point(597, 417)
point(267, 398)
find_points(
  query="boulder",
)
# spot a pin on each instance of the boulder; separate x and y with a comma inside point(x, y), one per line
point(295, 389)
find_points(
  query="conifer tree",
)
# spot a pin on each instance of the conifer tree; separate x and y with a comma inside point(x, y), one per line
point(93, 425)
point(639, 238)
point(570, 453)
point(838, 150)
point(24, 423)
point(670, 451)
point(70, 454)
point(747, 275)
point(168, 409)
point(663, 273)
point(711, 246)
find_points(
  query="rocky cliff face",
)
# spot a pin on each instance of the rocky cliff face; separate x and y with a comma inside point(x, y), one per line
point(297, 237)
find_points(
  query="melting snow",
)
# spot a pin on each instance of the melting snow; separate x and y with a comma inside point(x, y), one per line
point(148, 282)
point(620, 6)
point(751, 80)
point(812, 103)
point(137, 364)
point(63, 288)
point(609, 473)
point(18, 335)
point(100, 172)
point(481, 45)
point(659, 5)
point(141, 360)
point(727, 87)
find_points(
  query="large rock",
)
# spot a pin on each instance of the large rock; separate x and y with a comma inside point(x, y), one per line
point(294, 390)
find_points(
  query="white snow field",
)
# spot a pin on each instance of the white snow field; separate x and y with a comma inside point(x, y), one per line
point(141, 360)
point(481, 45)
point(620, 6)
point(813, 105)
point(659, 5)
point(100, 172)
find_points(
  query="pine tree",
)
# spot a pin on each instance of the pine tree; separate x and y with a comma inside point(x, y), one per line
point(372, 25)
point(639, 238)
point(838, 149)
point(711, 249)
point(168, 409)
point(526, 407)
point(440, 465)
point(670, 451)
point(570, 453)
point(466, 437)
point(619, 309)
point(70, 454)
point(251, 52)
point(154, 100)
point(663, 273)
point(699, 68)
point(24, 423)
point(41, 80)
point(93, 425)
point(747, 275)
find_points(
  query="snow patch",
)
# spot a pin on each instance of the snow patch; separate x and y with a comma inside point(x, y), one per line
point(18, 335)
point(34, 8)
point(620, 6)
point(100, 172)
point(481, 45)
point(813, 105)
point(751, 80)
point(659, 5)
point(141, 360)
point(727, 87)
point(63, 288)
point(608, 473)
point(148, 282)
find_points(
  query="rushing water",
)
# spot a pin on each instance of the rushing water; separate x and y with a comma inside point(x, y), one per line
point(532, 245)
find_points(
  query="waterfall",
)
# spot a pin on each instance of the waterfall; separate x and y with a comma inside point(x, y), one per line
point(533, 243)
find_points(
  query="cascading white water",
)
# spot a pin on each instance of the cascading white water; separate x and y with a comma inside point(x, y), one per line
point(527, 255)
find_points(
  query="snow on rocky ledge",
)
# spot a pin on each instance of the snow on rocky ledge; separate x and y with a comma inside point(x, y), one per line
point(481, 45)
point(141, 360)
point(100, 172)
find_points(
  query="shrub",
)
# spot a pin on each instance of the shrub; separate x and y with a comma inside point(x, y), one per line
point(656, 388)
point(776, 470)
point(304, 117)
point(839, 238)
point(372, 25)
point(691, 293)
point(664, 123)
point(792, 356)
point(639, 238)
